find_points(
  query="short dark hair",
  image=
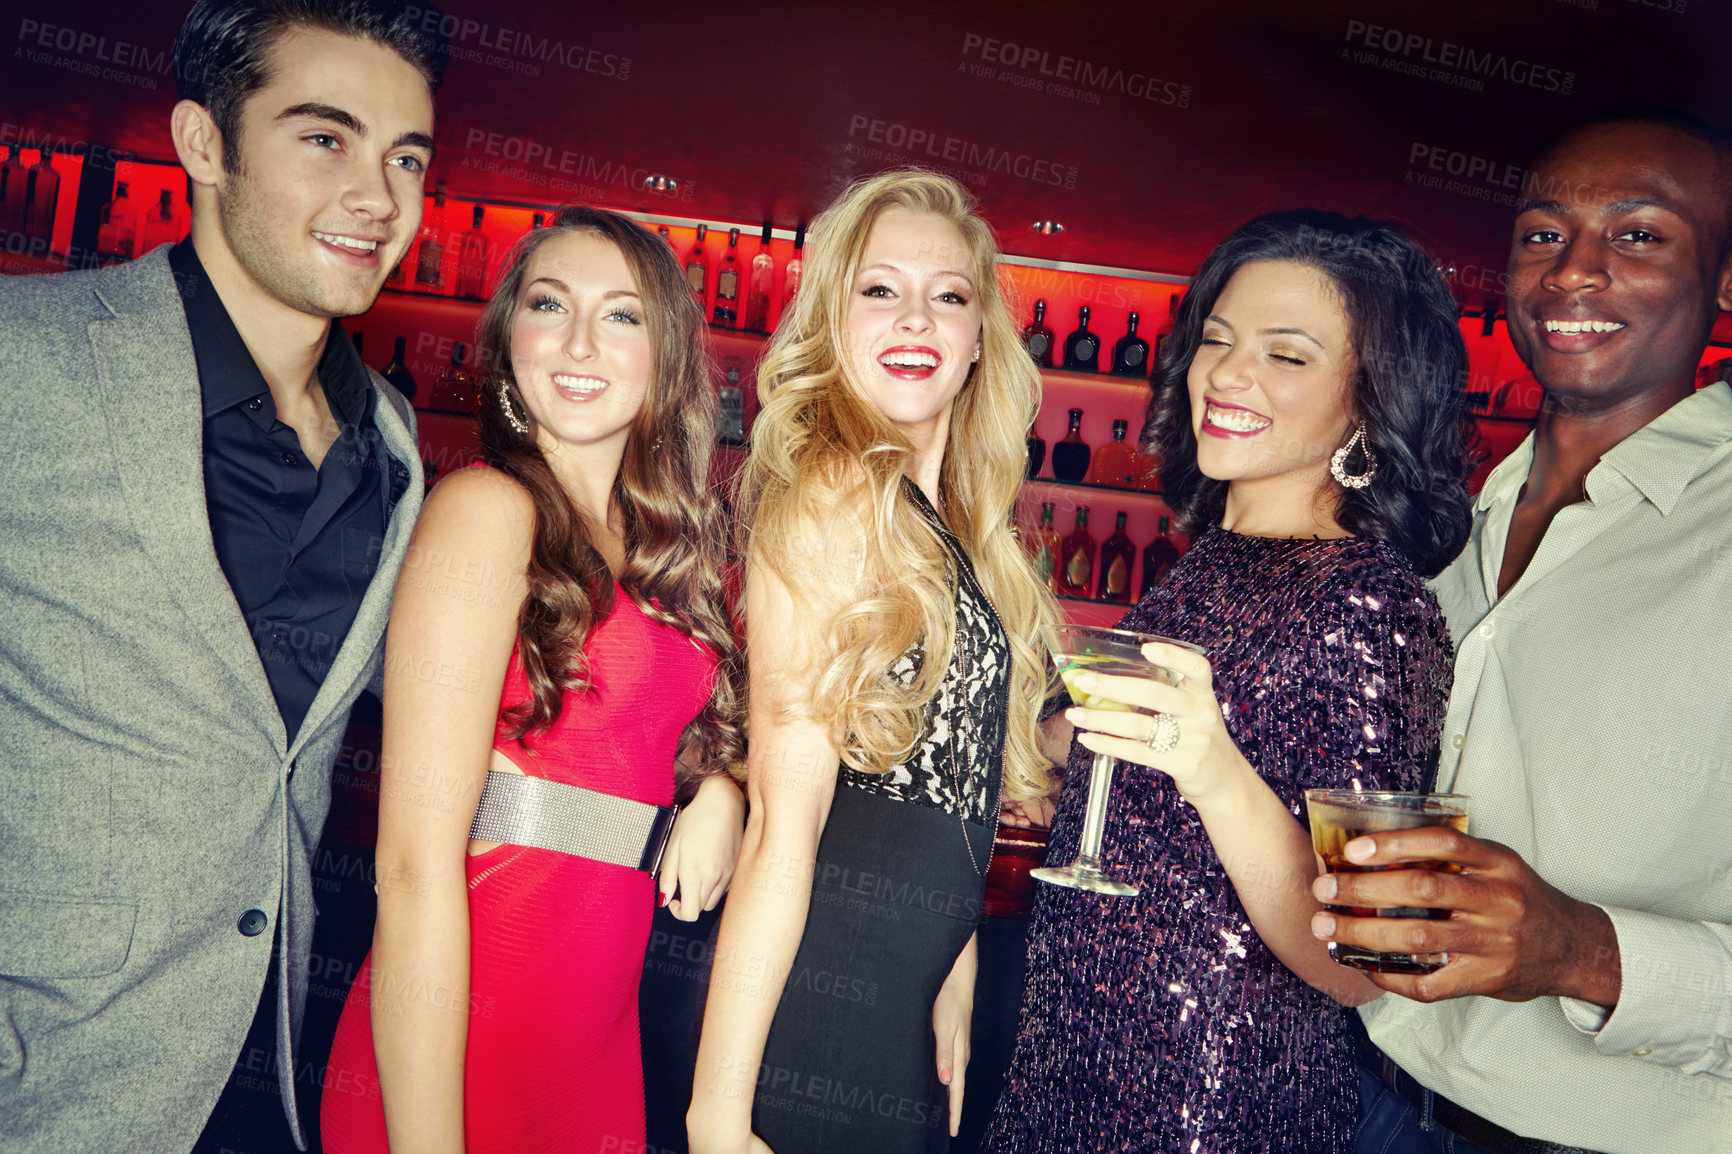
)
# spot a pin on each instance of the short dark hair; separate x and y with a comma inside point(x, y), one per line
point(222, 55)
point(1655, 116)
point(1666, 118)
point(1408, 383)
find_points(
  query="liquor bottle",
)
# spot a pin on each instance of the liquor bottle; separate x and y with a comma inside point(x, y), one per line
point(1076, 569)
point(731, 425)
point(1082, 349)
point(728, 283)
point(796, 268)
point(1113, 464)
point(1070, 457)
point(1044, 546)
point(1037, 338)
point(14, 192)
point(698, 268)
point(455, 390)
point(1165, 336)
point(758, 292)
point(44, 195)
point(161, 223)
point(1117, 557)
point(119, 227)
point(1036, 454)
point(1131, 354)
point(394, 278)
point(472, 259)
point(430, 257)
point(662, 231)
point(1158, 557)
point(397, 372)
point(538, 221)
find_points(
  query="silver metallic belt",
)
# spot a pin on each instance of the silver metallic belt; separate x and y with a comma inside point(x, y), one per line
point(533, 811)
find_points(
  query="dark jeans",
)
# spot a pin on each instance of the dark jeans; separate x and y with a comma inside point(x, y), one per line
point(1390, 1124)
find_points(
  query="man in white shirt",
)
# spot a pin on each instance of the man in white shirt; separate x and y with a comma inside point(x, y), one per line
point(1587, 1001)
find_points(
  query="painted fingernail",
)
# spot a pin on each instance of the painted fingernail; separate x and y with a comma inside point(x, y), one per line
point(1084, 681)
point(944, 1076)
point(1324, 887)
point(1322, 925)
point(661, 899)
point(1360, 849)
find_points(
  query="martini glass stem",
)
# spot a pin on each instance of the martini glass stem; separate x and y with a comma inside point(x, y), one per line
point(1095, 812)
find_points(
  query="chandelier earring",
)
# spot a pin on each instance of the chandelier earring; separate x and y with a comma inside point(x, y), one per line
point(1338, 463)
point(511, 417)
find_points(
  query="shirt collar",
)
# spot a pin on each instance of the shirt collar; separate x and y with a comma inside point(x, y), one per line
point(1507, 477)
point(1667, 453)
point(227, 373)
point(1658, 460)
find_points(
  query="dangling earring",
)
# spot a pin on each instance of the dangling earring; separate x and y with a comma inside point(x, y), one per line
point(1338, 463)
point(511, 416)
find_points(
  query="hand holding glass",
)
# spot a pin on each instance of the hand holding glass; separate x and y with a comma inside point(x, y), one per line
point(1340, 815)
point(1112, 653)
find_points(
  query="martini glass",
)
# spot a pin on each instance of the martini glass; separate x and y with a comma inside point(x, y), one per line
point(1114, 653)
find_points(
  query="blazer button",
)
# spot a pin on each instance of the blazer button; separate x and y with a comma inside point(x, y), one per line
point(252, 923)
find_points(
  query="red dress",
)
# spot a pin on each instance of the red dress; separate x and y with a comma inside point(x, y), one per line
point(556, 942)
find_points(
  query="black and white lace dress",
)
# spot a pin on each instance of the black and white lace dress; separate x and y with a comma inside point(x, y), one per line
point(896, 893)
point(962, 737)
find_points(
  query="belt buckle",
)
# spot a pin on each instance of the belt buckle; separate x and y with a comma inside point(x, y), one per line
point(657, 845)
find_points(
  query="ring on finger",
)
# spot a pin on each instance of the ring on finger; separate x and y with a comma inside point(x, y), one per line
point(1164, 734)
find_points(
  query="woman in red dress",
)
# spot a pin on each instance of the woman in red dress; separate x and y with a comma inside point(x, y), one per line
point(563, 616)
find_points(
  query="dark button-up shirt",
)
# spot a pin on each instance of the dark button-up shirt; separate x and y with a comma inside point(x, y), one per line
point(298, 544)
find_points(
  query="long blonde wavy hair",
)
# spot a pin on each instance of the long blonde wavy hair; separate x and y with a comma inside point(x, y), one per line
point(817, 432)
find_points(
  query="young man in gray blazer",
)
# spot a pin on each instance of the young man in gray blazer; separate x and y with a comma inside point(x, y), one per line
point(205, 498)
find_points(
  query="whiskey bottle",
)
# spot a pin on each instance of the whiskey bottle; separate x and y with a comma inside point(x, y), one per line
point(1159, 556)
point(472, 259)
point(397, 372)
point(1044, 546)
point(1077, 558)
point(1082, 349)
point(1131, 354)
point(698, 268)
point(728, 283)
point(44, 197)
point(1114, 463)
point(1070, 457)
point(430, 256)
point(1037, 338)
point(1117, 557)
point(119, 227)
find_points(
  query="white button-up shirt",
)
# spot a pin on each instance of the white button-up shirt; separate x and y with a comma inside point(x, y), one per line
point(1591, 724)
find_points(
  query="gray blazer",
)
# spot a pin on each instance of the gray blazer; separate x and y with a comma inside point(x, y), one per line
point(149, 796)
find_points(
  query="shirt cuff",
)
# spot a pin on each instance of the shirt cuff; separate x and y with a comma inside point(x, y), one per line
point(1672, 1006)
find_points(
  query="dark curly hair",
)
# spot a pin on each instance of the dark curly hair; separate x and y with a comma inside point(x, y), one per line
point(1408, 384)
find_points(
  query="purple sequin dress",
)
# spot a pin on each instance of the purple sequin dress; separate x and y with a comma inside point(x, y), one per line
point(1162, 1022)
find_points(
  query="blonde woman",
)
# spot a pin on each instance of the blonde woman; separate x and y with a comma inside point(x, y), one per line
point(895, 674)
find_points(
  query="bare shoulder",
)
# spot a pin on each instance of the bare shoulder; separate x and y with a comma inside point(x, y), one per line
point(479, 509)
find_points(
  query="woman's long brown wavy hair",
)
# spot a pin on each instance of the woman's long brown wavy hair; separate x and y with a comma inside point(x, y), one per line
point(675, 526)
point(818, 429)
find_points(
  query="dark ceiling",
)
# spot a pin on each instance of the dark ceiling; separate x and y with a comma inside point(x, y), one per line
point(1149, 130)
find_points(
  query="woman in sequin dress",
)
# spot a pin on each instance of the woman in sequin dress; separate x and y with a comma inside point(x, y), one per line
point(892, 628)
point(1201, 1015)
